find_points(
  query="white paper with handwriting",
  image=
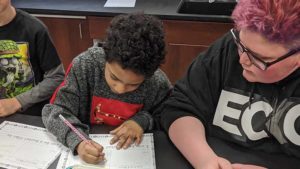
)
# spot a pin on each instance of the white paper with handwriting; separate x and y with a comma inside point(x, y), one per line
point(135, 157)
point(26, 147)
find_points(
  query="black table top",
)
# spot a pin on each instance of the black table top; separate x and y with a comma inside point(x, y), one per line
point(167, 156)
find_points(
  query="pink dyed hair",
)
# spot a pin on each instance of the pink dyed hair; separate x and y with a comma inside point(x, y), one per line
point(277, 20)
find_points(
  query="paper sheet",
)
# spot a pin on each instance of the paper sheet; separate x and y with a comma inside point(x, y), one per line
point(25, 147)
point(135, 157)
point(120, 3)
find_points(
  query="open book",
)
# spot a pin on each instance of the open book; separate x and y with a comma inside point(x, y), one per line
point(134, 157)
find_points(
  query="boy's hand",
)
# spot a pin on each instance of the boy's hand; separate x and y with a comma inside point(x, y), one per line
point(90, 152)
point(126, 134)
point(9, 106)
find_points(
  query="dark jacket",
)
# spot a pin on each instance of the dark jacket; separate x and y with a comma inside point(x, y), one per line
point(254, 115)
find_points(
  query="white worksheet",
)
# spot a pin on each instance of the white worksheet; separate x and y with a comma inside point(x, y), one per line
point(135, 157)
point(120, 3)
point(26, 147)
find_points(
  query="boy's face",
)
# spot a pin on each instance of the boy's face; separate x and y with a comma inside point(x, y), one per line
point(121, 80)
point(4, 5)
point(268, 52)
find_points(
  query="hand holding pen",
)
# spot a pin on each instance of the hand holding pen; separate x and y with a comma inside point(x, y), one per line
point(88, 150)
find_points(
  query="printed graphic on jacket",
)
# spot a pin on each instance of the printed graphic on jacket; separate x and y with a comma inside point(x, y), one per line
point(112, 112)
point(16, 75)
point(261, 120)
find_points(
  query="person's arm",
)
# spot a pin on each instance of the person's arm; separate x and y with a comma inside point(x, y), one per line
point(188, 135)
point(72, 100)
point(188, 112)
point(40, 92)
point(43, 90)
point(67, 101)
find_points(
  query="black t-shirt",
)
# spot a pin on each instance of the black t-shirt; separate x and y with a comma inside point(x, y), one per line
point(24, 43)
point(256, 116)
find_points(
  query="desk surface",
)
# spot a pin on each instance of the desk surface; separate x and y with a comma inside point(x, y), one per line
point(167, 156)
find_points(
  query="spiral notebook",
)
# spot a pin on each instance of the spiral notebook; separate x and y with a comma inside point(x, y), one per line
point(135, 157)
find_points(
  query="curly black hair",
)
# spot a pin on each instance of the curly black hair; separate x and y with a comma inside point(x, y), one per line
point(136, 42)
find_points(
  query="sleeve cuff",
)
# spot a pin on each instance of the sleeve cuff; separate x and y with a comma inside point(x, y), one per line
point(24, 105)
point(142, 121)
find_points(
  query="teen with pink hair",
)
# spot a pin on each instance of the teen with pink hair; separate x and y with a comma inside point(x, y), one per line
point(243, 90)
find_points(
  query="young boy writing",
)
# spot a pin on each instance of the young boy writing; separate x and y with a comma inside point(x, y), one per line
point(117, 85)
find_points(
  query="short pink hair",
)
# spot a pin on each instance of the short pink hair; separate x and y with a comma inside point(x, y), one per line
point(277, 20)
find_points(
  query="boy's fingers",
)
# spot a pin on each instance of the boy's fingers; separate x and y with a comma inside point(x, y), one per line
point(94, 149)
point(115, 130)
point(98, 147)
point(127, 143)
point(121, 142)
point(92, 159)
point(138, 140)
point(117, 135)
point(114, 139)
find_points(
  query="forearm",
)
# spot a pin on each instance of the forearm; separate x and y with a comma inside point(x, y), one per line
point(188, 135)
point(44, 89)
point(57, 127)
point(67, 102)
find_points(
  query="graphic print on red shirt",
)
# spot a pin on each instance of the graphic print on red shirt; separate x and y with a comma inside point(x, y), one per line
point(112, 112)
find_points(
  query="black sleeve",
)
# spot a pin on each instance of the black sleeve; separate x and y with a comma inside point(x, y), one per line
point(197, 93)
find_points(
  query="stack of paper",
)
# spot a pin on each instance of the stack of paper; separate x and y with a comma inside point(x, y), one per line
point(26, 147)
